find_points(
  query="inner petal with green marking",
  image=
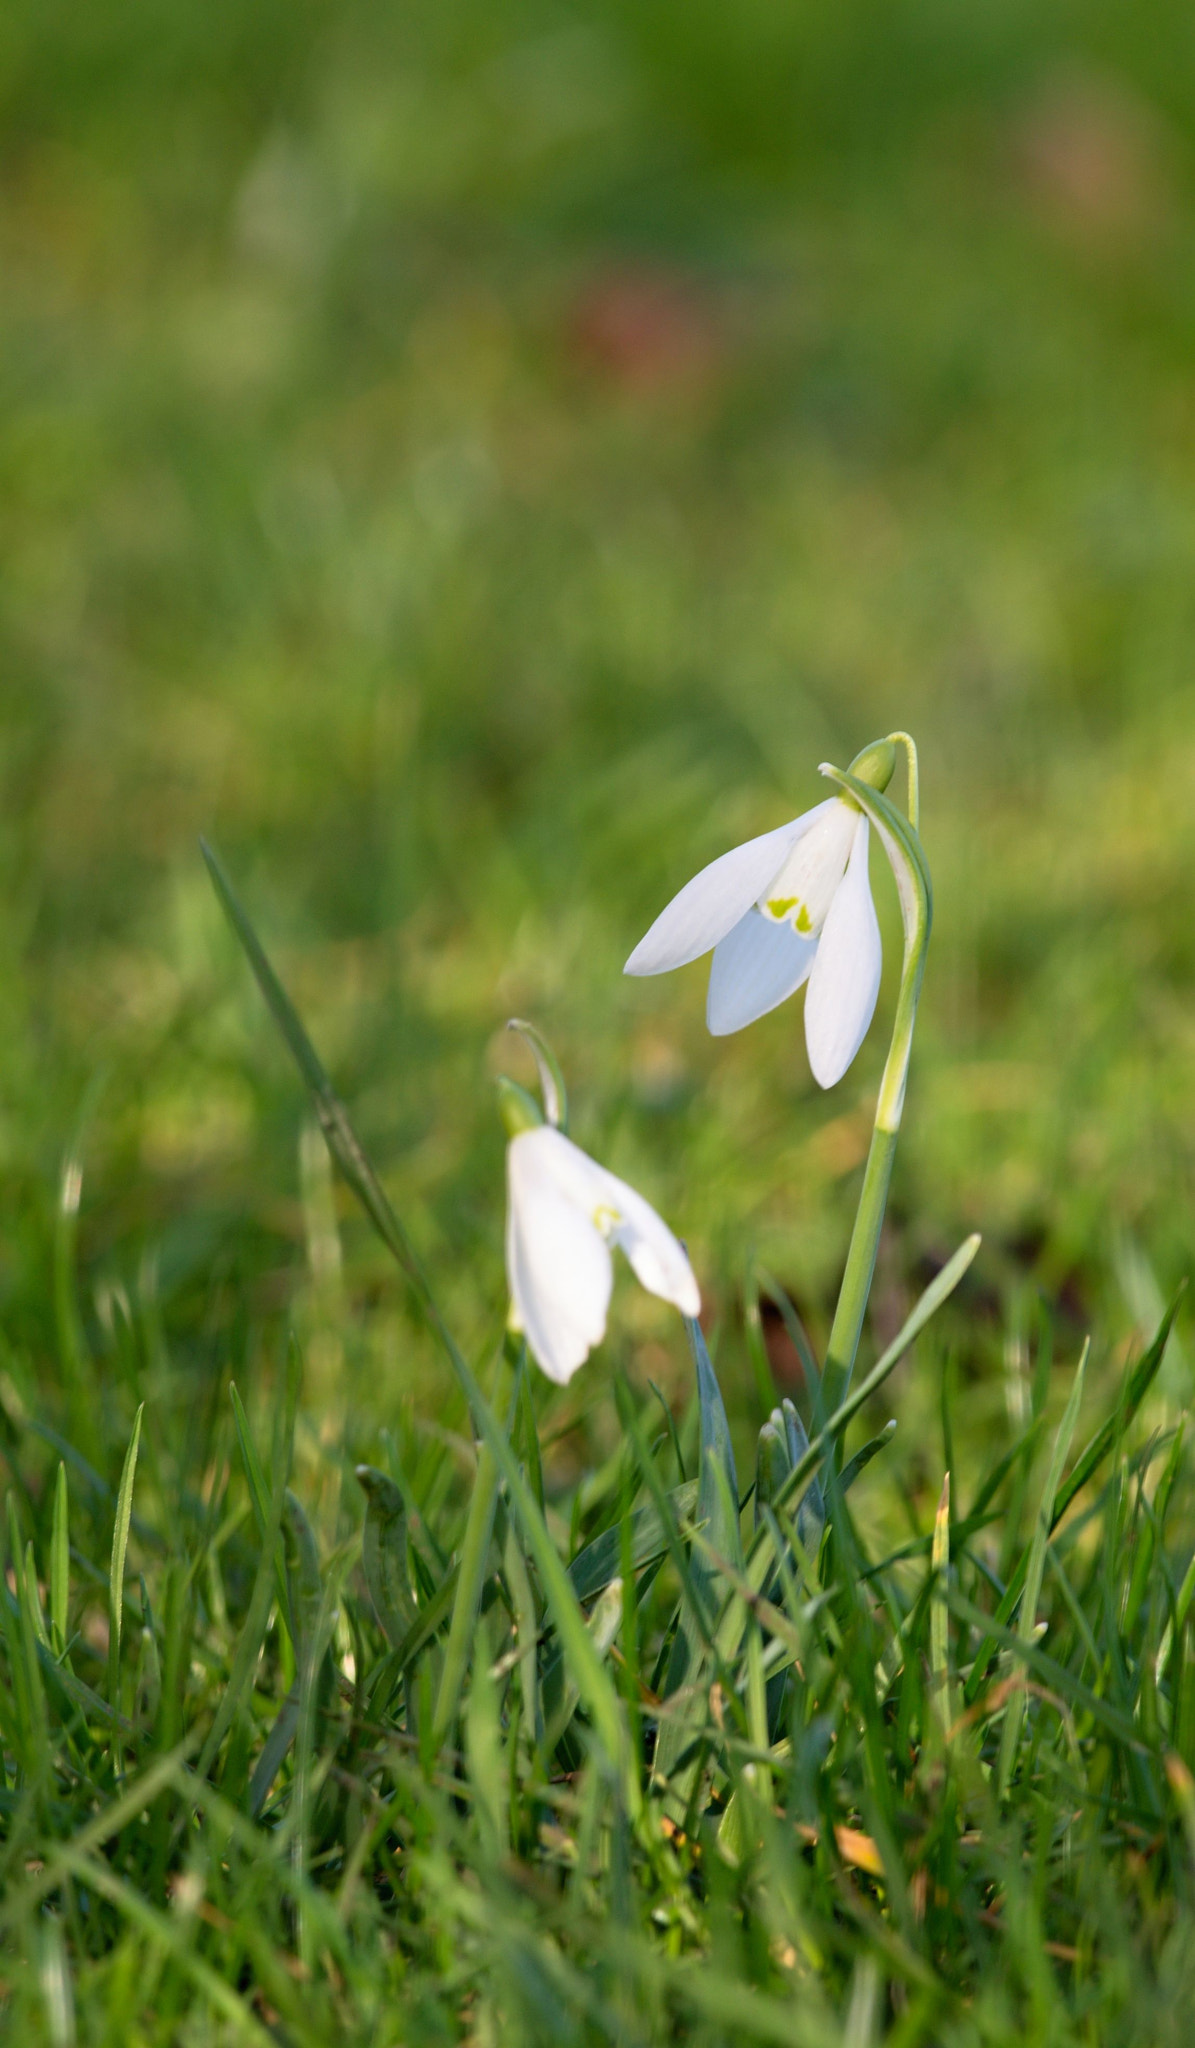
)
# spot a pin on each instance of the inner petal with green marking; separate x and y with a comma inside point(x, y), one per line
point(801, 893)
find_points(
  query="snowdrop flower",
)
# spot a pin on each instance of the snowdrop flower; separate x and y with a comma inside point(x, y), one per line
point(791, 906)
point(563, 1213)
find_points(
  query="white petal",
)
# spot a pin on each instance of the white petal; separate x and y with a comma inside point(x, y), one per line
point(754, 967)
point(558, 1263)
point(713, 902)
point(658, 1259)
point(845, 980)
point(802, 892)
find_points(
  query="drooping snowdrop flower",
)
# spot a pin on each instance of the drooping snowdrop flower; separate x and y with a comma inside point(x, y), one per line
point(563, 1213)
point(791, 906)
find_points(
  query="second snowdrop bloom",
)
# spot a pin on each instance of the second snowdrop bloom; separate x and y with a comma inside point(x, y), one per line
point(790, 907)
point(564, 1212)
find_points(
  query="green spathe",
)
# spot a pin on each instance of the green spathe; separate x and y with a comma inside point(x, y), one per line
point(875, 765)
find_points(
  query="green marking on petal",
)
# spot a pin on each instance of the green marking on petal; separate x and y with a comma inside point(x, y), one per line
point(779, 906)
point(802, 921)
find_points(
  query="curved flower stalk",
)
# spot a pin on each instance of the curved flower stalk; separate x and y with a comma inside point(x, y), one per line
point(564, 1212)
point(790, 907)
point(901, 842)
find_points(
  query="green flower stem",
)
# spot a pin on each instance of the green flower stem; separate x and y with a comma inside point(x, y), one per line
point(903, 848)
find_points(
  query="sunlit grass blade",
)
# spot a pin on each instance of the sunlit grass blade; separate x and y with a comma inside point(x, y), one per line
point(864, 1455)
point(597, 1689)
point(341, 1139)
point(939, 1616)
point(120, 1544)
point(244, 1659)
point(1137, 1383)
point(60, 1563)
point(761, 1558)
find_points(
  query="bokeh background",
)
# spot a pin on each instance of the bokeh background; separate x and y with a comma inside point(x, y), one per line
point(473, 461)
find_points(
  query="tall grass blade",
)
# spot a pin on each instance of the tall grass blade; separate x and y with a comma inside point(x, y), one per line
point(762, 1556)
point(60, 1563)
point(1035, 1568)
point(1138, 1380)
point(259, 1493)
point(939, 1614)
point(244, 1660)
point(120, 1544)
point(479, 1527)
point(598, 1692)
point(384, 1554)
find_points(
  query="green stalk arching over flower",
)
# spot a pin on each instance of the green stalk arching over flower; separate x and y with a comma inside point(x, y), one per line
point(902, 844)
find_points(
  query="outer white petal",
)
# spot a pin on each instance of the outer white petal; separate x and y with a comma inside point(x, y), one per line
point(713, 902)
point(558, 1263)
point(658, 1259)
point(754, 968)
point(845, 980)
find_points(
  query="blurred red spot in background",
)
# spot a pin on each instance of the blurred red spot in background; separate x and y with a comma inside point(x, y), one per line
point(647, 329)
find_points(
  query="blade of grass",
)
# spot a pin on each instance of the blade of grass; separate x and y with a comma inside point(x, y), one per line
point(1010, 1734)
point(259, 1493)
point(120, 1544)
point(479, 1528)
point(1138, 1381)
point(761, 1558)
point(598, 1692)
point(244, 1661)
point(60, 1563)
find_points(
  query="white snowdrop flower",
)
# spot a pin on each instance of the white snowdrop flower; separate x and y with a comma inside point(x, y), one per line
point(791, 906)
point(563, 1213)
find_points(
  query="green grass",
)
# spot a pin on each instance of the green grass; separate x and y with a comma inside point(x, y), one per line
point(718, 1779)
point(471, 463)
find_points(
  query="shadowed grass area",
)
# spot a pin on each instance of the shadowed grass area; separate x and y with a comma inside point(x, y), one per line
point(473, 464)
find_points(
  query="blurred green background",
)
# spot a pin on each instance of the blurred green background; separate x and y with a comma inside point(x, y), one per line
point(473, 462)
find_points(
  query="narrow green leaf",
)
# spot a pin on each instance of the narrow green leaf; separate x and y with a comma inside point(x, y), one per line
point(797, 1334)
point(341, 1139)
point(600, 1561)
point(603, 1625)
point(120, 1544)
point(303, 1577)
point(244, 1662)
point(60, 1563)
point(259, 1493)
point(762, 1556)
point(598, 1692)
point(1027, 1620)
point(939, 1614)
point(384, 1554)
point(864, 1455)
point(483, 1751)
point(717, 1484)
point(34, 1597)
point(274, 1750)
point(1138, 1381)
point(479, 1527)
point(258, 1489)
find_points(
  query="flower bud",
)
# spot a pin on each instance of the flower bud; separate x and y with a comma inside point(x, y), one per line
point(519, 1110)
point(876, 765)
